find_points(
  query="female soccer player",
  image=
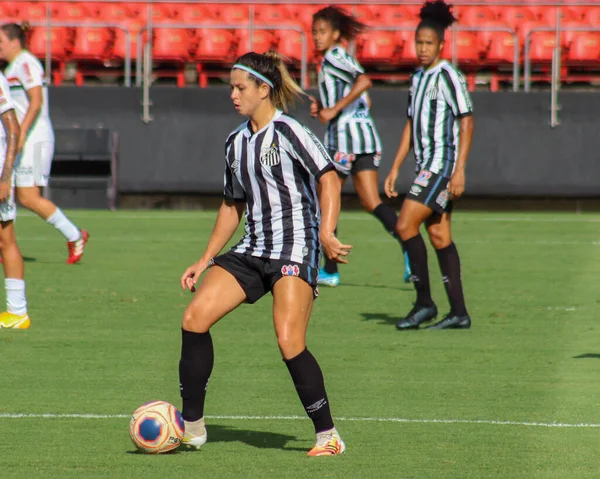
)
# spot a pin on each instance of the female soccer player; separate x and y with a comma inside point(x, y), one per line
point(351, 135)
point(273, 165)
point(16, 316)
point(439, 129)
point(36, 145)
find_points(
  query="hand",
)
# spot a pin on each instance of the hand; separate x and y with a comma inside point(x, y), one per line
point(5, 188)
point(390, 184)
point(327, 114)
point(192, 274)
point(334, 249)
point(456, 186)
point(315, 106)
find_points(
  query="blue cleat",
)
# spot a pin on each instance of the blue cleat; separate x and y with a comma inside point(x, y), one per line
point(328, 279)
point(407, 271)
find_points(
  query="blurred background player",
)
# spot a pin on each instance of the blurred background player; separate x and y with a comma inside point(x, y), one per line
point(25, 76)
point(272, 167)
point(439, 129)
point(15, 316)
point(351, 135)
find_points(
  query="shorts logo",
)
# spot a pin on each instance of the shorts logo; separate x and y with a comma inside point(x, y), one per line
point(422, 178)
point(415, 190)
point(270, 156)
point(290, 270)
point(343, 159)
point(377, 159)
point(442, 198)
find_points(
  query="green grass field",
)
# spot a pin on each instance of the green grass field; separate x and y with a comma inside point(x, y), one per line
point(105, 337)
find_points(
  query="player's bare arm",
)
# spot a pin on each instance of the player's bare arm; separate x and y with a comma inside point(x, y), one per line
point(12, 129)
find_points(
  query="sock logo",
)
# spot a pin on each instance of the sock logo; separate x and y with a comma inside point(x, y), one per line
point(316, 406)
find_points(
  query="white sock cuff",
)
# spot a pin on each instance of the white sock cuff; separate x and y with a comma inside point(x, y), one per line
point(13, 284)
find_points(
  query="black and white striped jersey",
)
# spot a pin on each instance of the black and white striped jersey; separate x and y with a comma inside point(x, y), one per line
point(438, 98)
point(275, 171)
point(353, 130)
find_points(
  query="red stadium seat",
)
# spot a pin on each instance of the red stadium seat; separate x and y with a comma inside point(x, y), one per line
point(233, 14)
point(32, 12)
point(289, 44)
point(133, 27)
point(592, 16)
point(194, 14)
point(60, 42)
point(409, 54)
point(171, 50)
point(262, 41)
point(71, 12)
point(569, 36)
point(378, 48)
point(91, 43)
point(490, 31)
point(112, 12)
point(303, 15)
point(216, 46)
point(514, 17)
point(366, 14)
point(542, 47)
point(547, 15)
point(160, 13)
point(585, 49)
point(392, 15)
point(474, 16)
point(9, 10)
point(271, 14)
point(467, 48)
point(501, 49)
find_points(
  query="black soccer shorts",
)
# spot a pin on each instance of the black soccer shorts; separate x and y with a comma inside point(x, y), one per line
point(257, 276)
point(431, 189)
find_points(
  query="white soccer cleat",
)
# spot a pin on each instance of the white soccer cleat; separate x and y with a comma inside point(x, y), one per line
point(195, 434)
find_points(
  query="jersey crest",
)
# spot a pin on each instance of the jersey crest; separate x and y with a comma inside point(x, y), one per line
point(270, 156)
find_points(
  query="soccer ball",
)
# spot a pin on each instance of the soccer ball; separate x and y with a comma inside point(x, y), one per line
point(156, 427)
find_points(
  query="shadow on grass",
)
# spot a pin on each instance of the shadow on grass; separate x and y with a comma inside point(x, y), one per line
point(257, 439)
point(378, 286)
point(382, 318)
point(587, 356)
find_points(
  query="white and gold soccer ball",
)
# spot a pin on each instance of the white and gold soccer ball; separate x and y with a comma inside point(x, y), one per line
point(156, 427)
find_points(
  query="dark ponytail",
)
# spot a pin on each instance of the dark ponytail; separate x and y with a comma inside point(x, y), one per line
point(348, 26)
point(436, 15)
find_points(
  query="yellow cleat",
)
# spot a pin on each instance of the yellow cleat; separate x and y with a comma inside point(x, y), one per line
point(195, 435)
point(328, 444)
point(14, 321)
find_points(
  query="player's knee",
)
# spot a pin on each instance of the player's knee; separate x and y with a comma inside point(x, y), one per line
point(194, 319)
point(289, 345)
point(439, 239)
point(369, 204)
point(26, 198)
point(406, 229)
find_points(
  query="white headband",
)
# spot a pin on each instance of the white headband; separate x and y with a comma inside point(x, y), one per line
point(254, 73)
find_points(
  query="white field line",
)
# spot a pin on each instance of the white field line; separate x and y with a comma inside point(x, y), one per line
point(204, 215)
point(491, 422)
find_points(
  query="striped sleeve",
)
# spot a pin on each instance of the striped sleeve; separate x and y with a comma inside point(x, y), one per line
point(30, 74)
point(233, 190)
point(342, 66)
point(6, 103)
point(411, 91)
point(456, 93)
point(305, 147)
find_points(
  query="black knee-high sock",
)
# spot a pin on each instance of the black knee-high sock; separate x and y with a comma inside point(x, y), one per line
point(308, 379)
point(330, 266)
point(417, 255)
point(195, 366)
point(450, 266)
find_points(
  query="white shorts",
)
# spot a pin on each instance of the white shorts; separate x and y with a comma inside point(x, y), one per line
point(32, 167)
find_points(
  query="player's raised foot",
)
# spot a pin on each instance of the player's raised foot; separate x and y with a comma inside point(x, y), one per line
point(14, 321)
point(328, 279)
point(417, 316)
point(195, 434)
point(76, 247)
point(329, 443)
point(452, 321)
point(407, 271)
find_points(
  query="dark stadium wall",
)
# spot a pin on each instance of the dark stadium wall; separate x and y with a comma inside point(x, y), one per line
point(515, 152)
